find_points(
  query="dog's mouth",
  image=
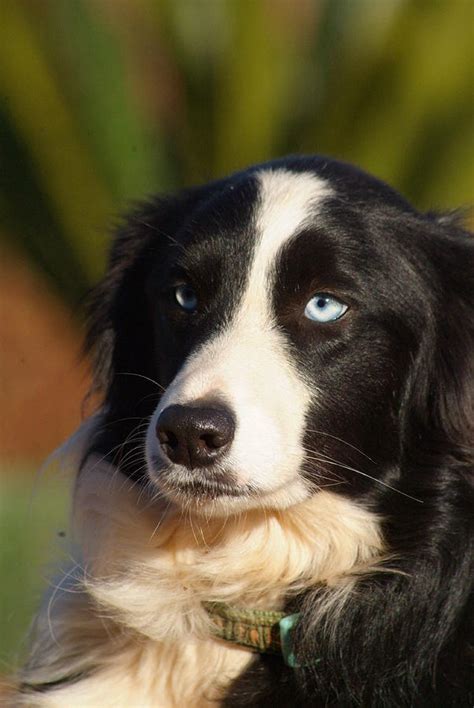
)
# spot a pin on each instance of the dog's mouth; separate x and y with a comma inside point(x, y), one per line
point(199, 486)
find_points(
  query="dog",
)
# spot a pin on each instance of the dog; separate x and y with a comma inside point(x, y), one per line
point(273, 506)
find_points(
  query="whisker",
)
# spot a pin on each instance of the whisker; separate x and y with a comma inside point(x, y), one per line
point(141, 376)
point(133, 454)
point(335, 437)
point(190, 520)
point(162, 233)
point(163, 516)
point(151, 395)
point(52, 599)
point(105, 425)
point(116, 447)
point(328, 461)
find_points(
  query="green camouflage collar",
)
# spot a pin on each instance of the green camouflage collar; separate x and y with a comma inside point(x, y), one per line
point(260, 630)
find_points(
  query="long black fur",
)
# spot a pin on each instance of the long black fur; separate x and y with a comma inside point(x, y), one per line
point(404, 637)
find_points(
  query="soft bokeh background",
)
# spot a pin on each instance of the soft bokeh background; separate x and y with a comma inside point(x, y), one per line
point(105, 101)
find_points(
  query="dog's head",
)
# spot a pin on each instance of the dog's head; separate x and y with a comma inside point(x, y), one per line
point(295, 326)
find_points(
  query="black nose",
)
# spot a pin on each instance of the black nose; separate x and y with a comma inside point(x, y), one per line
point(195, 436)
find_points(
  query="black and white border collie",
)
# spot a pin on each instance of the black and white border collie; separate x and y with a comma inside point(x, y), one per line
point(286, 357)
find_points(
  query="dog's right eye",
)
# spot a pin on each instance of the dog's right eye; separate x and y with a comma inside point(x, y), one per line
point(186, 298)
point(324, 308)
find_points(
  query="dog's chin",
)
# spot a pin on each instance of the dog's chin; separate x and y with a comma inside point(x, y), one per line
point(219, 494)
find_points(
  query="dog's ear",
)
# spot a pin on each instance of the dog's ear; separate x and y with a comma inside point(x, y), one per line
point(441, 394)
point(119, 337)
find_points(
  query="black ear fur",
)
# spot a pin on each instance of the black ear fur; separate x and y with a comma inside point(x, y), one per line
point(440, 405)
point(139, 236)
point(119, 335)
point(402, 637)
point(453, 219)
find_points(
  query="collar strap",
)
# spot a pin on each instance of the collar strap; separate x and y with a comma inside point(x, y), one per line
point(262, 631)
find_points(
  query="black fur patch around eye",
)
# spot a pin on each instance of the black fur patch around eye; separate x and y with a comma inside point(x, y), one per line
point(208, 236)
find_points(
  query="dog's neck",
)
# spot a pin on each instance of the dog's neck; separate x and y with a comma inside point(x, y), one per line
point(153, 565)
point(133, 624)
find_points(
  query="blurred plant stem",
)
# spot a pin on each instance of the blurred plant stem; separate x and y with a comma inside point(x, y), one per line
point(64, 167)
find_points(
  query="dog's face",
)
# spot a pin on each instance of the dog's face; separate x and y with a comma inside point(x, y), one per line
point(285, 307)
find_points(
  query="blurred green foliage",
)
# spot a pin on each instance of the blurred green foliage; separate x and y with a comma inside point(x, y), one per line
point(32, 513)
point(106, 101)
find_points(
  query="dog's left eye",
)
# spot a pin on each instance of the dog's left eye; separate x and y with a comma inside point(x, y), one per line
point(186, 298)
point(325, 308)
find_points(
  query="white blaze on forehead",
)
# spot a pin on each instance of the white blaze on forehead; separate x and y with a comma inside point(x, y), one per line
point(249, 364)
point(287, 200)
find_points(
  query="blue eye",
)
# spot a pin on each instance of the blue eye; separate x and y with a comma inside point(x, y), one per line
point(324, 308)
point(186, 298)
